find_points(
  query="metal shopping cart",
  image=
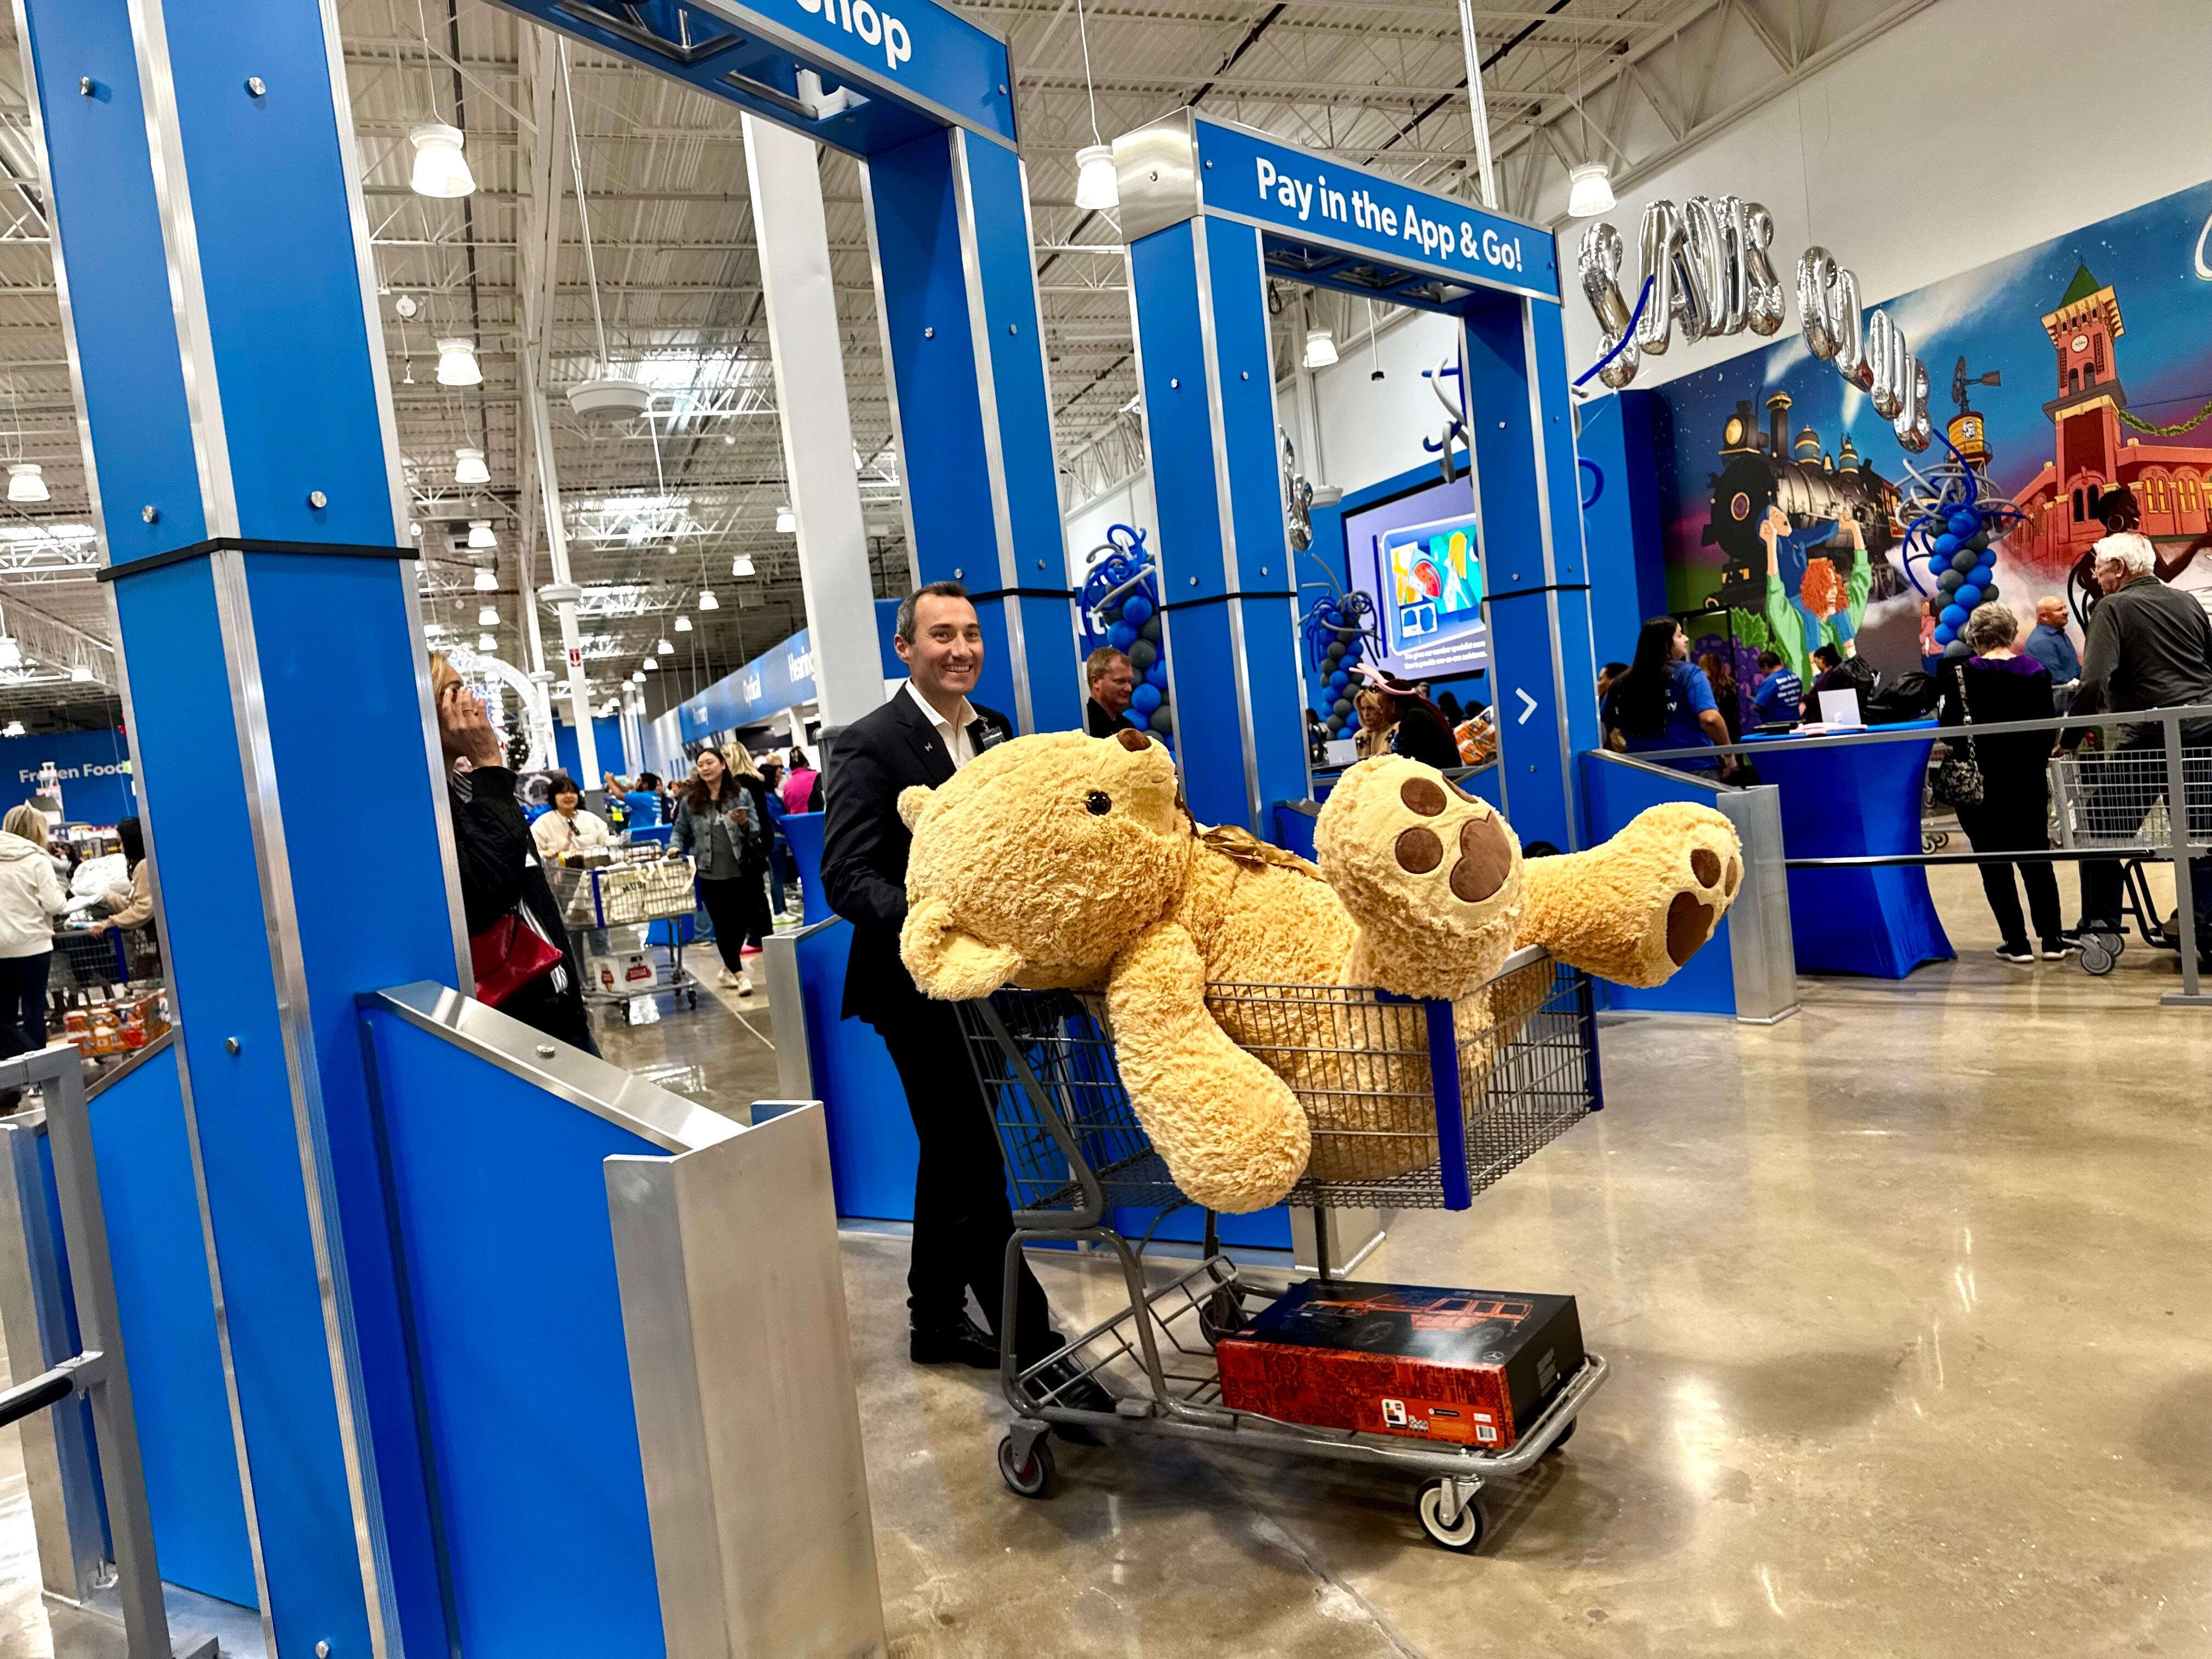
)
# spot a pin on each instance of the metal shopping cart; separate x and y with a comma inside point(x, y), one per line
point(1384, 1136)
point(2117, 798)
point(610, 900)
point(106, 992)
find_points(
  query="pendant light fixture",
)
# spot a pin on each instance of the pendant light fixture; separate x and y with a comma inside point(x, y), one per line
point(487, 616)
point(665, 648)
point(787, 521)
point(1590, 190)
point(81, 673)
point(1095, 185)
point(487, 581)
point(683, 624)
point(441, 166)
point(742, 565)
point(707, 601)
point(637, 677)
point(13, 729)
point(481, 535)
point(1321, 347)
point(469, 467)
point(27, 483)
point(651, 666)
point(606, 395)
point(457, 362)
point(486, 644)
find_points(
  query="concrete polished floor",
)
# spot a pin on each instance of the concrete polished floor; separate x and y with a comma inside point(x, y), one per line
point(1907, 1302)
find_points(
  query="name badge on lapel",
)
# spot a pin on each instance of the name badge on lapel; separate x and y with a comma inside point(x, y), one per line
point(993, 734)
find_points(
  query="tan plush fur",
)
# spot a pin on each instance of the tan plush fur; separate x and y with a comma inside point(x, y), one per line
point(1061, 860)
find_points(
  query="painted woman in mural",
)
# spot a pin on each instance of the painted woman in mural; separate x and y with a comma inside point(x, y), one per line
point(1806, 606)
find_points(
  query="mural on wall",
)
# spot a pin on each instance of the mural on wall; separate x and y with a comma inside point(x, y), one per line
point(2069, 368)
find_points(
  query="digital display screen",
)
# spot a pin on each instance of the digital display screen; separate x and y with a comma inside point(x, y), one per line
point(1419, 558)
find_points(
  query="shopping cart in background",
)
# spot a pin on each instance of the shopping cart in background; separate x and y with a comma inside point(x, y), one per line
point(608, 902)
point(105, 990)
point(2117, 798)
point(1406, 1113)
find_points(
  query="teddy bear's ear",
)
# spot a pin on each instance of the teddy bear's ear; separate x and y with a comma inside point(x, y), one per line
point(914, 803)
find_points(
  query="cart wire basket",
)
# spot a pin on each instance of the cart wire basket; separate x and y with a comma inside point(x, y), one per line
point(1411, 1105)
point(2120, 799)
point(632, 887)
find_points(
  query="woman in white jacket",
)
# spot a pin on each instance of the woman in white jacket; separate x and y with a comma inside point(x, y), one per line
point(565, 827)
point(30, 899)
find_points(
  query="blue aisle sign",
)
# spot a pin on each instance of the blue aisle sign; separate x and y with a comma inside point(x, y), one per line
point(778, 678)
point(919, 57)
point(1314, 199)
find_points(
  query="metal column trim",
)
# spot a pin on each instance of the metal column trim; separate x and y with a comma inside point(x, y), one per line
point(890, 367)
point(441, 805)
point(187, 286)
point(1489, 621)
point(1289, 556)
point(192, 1141)
point(1551, 563)
point(265, 812)
point(1224, 504)
point(994, 449)
point(1144, 423)
point(1051, 422)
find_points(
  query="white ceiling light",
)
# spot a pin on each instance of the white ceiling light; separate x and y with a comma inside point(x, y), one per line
point(1321, 347)
point(487, 582)
point(651, 666)
point(469, 467)
point(786, 520)
point(489, 616)
point(81, 673)
point(11, 652)
point(610, 399)
point(683, 624)
point(441, 167)
point(666, 648)
point(707, 601)
point(481, 535)
point(13, 729)
point(486, 643)
point(414, 529)
point(637, 678)
point(456, 363)
point(1095, 185)
point(26, 483)
point(742, 565)
point(1590, 190)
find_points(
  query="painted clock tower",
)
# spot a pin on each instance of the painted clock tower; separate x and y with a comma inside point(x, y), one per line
point(2083, 331)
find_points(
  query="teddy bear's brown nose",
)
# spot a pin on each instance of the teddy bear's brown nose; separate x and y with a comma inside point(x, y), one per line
point(1131, 739)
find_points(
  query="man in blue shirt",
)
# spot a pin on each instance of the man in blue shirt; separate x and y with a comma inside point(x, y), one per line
point(1780, 694)
point(2049, 644)
point(644, 801)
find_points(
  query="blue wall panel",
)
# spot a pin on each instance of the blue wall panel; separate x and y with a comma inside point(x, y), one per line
point(94, 769)
point(605, 733)
point(168, 1313)
point(1562, 478)
point(872, 1149)
point(1611, 795)
point(498, 1193)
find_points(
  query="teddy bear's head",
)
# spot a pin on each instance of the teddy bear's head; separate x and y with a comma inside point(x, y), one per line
point(1040, 861)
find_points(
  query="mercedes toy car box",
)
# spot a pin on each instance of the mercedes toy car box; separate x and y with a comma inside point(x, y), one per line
point(1474, 1367)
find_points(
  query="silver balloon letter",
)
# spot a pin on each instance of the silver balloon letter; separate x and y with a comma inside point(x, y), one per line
point(1816, 269)
point(1598, 264)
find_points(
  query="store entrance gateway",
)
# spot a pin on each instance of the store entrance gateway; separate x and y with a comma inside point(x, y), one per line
point(1212, 212)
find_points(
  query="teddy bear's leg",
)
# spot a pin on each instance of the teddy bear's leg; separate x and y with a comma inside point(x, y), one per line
point(1431, 874)
point(1636, 908)
point(1234, 1136)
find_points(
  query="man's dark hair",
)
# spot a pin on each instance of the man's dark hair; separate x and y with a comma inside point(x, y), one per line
point(1770, 659)
point(928, 590)
point(1612, 671)
point(648, 780)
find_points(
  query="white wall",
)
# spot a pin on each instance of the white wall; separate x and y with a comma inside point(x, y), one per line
point(1371, 429)
point(1971, 130)
point(1085, 527)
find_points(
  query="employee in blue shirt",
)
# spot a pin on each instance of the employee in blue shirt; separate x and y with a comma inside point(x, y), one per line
point(2049, 644)
point(644, 801)
point(1665, 701)
point(1779, 693)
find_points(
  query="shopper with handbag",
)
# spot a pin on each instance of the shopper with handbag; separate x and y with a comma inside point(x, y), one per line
point(718, 823)
point(524, 964)
point(2000, 786)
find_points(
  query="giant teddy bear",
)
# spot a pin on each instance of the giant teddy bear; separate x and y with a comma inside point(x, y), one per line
point(1064, 862)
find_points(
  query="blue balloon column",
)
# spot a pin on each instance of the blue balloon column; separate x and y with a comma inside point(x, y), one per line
point(1121, 605)
point(1339, 632)
point(1953, 537)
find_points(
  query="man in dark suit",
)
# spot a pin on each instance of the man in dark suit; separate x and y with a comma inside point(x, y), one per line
point(962, 1220)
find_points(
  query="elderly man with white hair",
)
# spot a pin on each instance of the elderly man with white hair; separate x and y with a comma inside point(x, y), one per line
point(2147, 645)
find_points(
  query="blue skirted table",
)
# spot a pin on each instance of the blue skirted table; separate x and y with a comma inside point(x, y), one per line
point(1858, 801)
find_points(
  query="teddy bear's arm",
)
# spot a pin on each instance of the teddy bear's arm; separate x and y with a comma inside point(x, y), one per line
point(1234, 1136)
point(1635, 908)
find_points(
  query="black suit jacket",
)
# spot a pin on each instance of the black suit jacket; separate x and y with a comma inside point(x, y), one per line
point(865, 842)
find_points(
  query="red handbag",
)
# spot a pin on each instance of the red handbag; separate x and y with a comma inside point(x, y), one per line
point(508, 954)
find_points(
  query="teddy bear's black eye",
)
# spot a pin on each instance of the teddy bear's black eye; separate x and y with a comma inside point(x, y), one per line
point(1099, 802)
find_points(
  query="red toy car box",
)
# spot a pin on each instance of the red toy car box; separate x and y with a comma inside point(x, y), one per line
point(1474, 1367)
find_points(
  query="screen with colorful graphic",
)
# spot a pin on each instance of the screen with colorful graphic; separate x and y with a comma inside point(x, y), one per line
point(1428, 592)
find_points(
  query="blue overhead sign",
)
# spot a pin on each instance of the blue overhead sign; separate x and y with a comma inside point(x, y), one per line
point(860, 74)
point(1330, 204)
point(778, 678)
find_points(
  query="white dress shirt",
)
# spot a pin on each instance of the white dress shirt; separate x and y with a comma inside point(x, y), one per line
point(952, 732)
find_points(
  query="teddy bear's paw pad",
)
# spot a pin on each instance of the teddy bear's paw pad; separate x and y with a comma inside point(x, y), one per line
point(1485, 850)
point(1715, 871)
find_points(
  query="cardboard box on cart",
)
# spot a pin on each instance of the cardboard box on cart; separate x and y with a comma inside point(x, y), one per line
point(1468, 1366)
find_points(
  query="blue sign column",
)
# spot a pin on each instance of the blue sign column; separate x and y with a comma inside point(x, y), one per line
point(219, 305)
point(1211, 211)
point(964, 347)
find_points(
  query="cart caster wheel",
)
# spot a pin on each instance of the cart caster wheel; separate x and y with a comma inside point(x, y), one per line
point(1030, 1479)
point(1464, 1534)
point(2114, 943)
point(2095, 958)
point(1565, 1435)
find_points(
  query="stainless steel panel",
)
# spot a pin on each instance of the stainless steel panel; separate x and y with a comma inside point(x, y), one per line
point(1353, 1236)
point(585, 1080)
point(734, 1313)
point(1156, 170)
point(1760, 945)
point(787, 1012)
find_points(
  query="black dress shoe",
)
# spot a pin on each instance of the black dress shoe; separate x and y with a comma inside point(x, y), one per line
point(958, 1342)
point(1077, 1393)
